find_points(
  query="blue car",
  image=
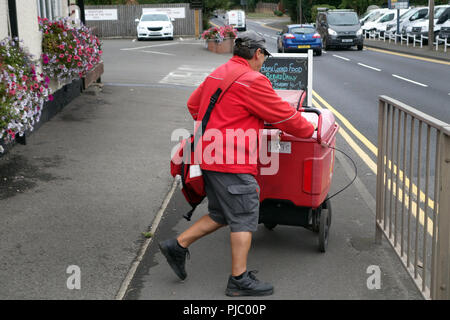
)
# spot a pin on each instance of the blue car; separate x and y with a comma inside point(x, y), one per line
point(299, 37)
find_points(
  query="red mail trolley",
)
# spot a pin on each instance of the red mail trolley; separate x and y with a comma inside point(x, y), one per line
point(296, 193)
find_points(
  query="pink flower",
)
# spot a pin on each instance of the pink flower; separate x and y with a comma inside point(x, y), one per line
point(50, 97)
point(61, 55)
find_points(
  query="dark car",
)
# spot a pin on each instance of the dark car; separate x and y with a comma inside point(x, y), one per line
point(299, 37)
point(339, 28)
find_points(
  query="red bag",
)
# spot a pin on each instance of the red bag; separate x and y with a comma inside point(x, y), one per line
point(183, 164)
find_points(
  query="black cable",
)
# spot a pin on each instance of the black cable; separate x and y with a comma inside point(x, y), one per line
point(353, 180)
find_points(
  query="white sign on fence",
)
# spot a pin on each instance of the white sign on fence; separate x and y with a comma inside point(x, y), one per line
point(176, 13)
point(100, 14)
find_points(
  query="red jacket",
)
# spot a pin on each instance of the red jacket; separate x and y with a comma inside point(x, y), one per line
point(249, 101)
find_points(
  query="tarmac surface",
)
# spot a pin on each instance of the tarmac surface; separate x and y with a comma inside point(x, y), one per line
point(91, 180)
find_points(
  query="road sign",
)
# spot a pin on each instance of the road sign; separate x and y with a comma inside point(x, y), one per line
point(398, 4)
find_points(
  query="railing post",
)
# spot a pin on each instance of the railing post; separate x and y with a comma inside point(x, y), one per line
point(380, 171)
point(442, 267)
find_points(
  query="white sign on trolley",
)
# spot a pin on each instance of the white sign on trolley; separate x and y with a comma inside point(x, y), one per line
point(176, 13)
point(100, 14)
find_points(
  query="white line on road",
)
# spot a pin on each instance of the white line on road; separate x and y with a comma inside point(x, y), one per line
point(155, 45)
point(343, 58)
point(156, 52)
point(415, 82)
point(365, 65)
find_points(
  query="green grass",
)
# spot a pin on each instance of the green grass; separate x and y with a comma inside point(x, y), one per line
point(254, 15)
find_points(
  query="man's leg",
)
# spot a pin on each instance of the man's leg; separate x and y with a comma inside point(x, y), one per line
point(202, 227)
point(240, 246)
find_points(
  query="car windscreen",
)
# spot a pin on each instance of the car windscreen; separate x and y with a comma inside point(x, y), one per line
point(375, 16)
point(437, 13)
point(342, 18)
point(301, 30)
point(155, 17)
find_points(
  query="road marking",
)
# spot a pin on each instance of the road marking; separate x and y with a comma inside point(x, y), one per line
point(405, 79)
point(343, 58)
point(324, 51)
point(365, 65)
point(156, 52)
point(372, 166)
point(410, 56)
point(371, 147)
point(188, 75)
point(215, 25)
point(124, 286)
point(150, 46)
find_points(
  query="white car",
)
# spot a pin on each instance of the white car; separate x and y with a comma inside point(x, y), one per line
point(381, 24)
point(420, 27)
point(371, 15)
point(154, 26)
point(371, 24)
point(407, 18)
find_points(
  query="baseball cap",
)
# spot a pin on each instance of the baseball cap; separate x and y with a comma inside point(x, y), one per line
point(252, 40)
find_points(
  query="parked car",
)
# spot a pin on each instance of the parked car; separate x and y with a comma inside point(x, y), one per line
point(236, 18)
point(339, 28)
point(406, 19)
point(420, 27)
point(380, 24)
point(154, 26)
point(299, 37)
point(371, 15)
point(444, 33)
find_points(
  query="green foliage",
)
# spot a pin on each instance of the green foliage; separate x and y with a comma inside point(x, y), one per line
point(314, 10)
point(278, 13)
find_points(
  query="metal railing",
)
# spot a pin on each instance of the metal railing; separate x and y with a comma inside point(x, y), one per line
point(414, 154)
point(392, 36)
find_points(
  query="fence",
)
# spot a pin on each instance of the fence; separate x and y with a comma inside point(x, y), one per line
point(391, 36)
point(125, 26)
point(416, 223)
point(262, 7)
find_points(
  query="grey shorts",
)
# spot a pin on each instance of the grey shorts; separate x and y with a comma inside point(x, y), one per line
point(233, 199)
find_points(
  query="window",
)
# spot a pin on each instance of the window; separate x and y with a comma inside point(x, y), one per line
point(300, 30)
point(50, 9)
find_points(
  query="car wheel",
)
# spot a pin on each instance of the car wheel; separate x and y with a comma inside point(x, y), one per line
point(139, 39)
point(319, 52)
point(325, 44)
point(360, 47)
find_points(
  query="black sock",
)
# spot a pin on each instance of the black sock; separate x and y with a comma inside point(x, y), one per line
point(179, 245)
point(239, 277)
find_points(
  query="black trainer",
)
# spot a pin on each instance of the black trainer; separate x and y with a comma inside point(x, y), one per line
point(248, 285)
point(175, 255)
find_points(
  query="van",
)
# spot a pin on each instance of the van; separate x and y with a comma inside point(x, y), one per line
point(380, 24)
point(339, 28)
point(407, 19)
point(420, 27)
point(236, 18)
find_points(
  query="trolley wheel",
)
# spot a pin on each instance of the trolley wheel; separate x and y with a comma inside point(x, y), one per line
point(324, 227)
point(270, 226)
point(315, 220)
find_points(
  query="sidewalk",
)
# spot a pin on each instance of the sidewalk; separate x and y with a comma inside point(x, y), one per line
point(416, 51)
point(91, 180)
point(288, 257)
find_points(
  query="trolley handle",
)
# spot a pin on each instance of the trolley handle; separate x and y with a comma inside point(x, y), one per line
point(319, 122)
